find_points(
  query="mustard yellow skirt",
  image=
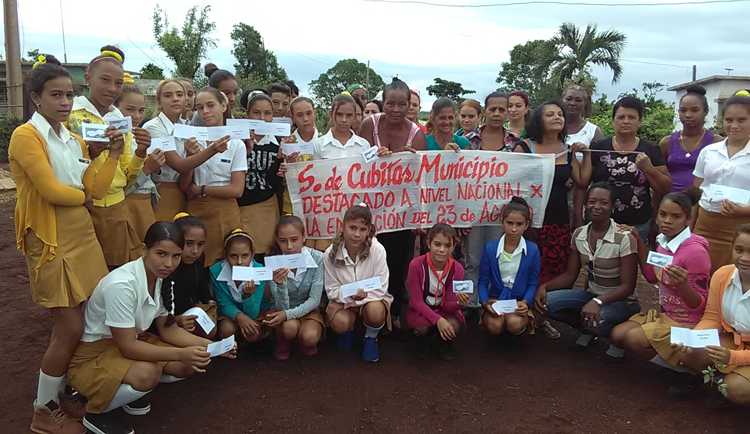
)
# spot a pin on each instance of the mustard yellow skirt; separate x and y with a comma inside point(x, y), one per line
point(116, 234)
point(97, 369)
point(141, 212)
point(171, 202)
point(719, 231)
point(220, 216)
point(286, 203)
point(259, 220)
point(69, 279)
point(658, 327)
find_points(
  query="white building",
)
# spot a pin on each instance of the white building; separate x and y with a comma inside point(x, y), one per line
point(718, 89)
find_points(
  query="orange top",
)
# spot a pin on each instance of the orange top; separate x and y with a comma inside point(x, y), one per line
point(713, 317)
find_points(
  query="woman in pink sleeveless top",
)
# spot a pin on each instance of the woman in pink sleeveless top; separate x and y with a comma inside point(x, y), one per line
point(393, 131)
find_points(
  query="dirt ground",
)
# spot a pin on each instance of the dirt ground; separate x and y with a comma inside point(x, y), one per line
point(527, 385)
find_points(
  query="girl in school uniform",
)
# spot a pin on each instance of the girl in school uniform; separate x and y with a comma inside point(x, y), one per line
point(190, 283)
point(728, 310)
point(112, 220)
point(171, 97)
point(141, 196)
point(356, 255)
point(434, 309)
point(54, 180)
point(259, 204)
point(118, 362)
point(683, 285)
point(509, 270)
point(296, 293)
point(243, 304)
point(724, 164)
point(213, 187)
point(340, 141)
point(302, 111)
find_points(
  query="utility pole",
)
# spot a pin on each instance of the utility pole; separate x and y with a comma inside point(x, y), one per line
point(367, 79)
point(695, 72)
point(62, 28)
point(13, 78)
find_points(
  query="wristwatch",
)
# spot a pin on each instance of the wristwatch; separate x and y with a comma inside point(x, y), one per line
point(598, 301)
point(203, 194)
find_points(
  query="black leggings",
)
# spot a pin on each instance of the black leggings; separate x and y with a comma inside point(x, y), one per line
point(399, 247)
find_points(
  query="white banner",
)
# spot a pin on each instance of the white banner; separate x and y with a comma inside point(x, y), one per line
point(410, 191)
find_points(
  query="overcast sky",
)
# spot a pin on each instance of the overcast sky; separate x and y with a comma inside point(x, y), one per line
point(415, 42)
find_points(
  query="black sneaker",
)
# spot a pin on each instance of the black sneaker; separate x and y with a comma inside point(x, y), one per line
point(446, 351)
point(106, 423)
point(139, 407)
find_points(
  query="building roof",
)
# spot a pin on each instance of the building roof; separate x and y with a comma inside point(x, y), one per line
point(710, 79)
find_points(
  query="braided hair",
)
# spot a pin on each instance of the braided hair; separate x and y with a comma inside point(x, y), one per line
point(165, 231)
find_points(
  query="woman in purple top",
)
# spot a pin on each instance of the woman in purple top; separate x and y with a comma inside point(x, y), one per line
point(681, 148)
point(683, 284)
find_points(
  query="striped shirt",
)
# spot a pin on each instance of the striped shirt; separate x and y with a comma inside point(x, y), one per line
point(603, 264)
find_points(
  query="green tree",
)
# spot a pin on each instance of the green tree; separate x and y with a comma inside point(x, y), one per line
point(577, 51)
point(658, 119)
point(529, 70)
point(187, 46)
point(255, 64)
point(448, 89)
point(344, 73)
point(152, 72)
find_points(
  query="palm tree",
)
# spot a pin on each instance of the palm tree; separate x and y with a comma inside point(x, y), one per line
point(578, 51)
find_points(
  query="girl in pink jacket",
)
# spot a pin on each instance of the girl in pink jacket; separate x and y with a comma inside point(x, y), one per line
point(356, 282)
point(434, 308)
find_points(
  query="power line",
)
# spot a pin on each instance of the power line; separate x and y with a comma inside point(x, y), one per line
point(552, 2)
point(146, 54)
point(672, 65)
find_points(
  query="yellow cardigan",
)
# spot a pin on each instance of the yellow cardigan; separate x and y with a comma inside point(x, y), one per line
point(38, 191)
point(126, 172)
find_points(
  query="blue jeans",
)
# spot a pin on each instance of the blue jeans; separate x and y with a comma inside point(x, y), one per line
point(565, 305)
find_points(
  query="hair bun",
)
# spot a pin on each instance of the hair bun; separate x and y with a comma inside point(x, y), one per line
point(209, 69)
point(180, 215)
point(519, 200)
point(113, 52)
point(697, 89)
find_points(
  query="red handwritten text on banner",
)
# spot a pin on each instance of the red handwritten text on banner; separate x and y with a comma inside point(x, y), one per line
point(409, 191)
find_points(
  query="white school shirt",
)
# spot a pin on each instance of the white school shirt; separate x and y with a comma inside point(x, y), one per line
point(509, 269)
point(716, 168)
point(674, 244)
point(735, 306)
point(121, 300)
point(161, 126)
point(64, 152)
point(328, 147)
point(217, 170)
point(585, 135)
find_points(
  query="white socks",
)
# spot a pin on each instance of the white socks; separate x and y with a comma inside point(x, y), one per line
point(167, 379)
point(125, 395)
point(48, 388)
point(372, 332)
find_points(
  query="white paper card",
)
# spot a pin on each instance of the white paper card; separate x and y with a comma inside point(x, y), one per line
point(291, 262)
point(256, 274)
point(298, 148)
point(505, 306)
point(223, 346)
point(182, 131)
point(694, 338)
point(737, 195)
point(124, 125)
point(94, 132)
point(659, 259)
point(350, 289)
point(463, 286)
point(282, 120)
point(262, 128)
point(164, 143)
point(202, 318)
point(371, 154)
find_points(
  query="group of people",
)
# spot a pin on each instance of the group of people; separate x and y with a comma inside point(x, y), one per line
point(123, 243)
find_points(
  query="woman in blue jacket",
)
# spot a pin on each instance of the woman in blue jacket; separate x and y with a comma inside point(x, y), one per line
point(509, 270)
